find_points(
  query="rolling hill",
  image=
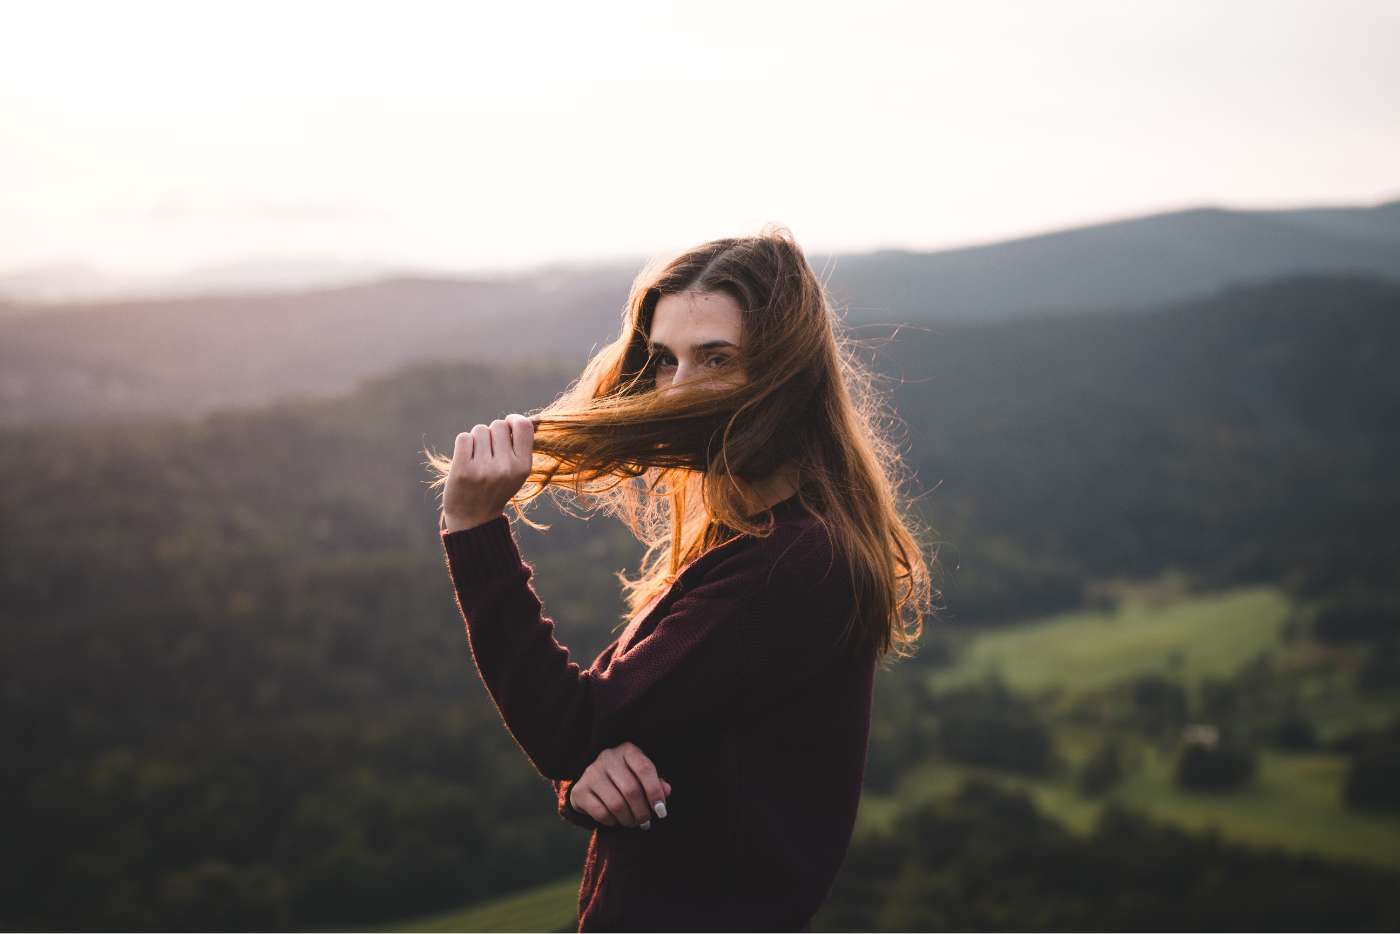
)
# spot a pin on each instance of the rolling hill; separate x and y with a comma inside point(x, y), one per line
point(191, 354)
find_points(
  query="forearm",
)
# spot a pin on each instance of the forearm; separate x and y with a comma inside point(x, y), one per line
point(691, 670)
point(455, 523)
point(538, 690)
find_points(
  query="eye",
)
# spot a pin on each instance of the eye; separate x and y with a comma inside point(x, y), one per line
point(714, 362)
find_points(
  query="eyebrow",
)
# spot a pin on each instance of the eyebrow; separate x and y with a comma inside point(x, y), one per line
point(707, 345)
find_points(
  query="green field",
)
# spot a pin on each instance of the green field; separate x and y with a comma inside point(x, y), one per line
point(1192, 638)
point(1294, 800)
point(1293, 803)
point(551, 907)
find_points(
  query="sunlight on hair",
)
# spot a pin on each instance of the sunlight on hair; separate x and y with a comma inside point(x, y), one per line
point(673, 466)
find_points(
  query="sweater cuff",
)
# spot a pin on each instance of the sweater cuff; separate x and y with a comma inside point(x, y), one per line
point(481, 552)
point(567, 810)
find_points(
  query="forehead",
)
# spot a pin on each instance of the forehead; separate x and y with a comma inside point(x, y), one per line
point(690, 318)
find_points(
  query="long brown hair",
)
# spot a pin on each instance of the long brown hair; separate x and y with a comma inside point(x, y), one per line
point(665, 463)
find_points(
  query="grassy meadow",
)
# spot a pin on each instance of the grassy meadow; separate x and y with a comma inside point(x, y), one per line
point(550, 907)
point(1075, 661)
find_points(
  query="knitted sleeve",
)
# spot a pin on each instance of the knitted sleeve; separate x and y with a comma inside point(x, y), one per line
point(689, 672)
point(562, 788)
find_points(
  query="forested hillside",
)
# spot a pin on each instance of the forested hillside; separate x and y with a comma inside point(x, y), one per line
point(190, 353)
point(237, 692)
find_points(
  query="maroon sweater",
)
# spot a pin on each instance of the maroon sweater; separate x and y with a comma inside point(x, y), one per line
point(732, 683)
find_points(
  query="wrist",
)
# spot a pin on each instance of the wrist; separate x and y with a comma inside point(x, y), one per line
point(459, 523)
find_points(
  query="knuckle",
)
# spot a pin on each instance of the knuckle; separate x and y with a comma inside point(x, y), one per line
point(622, 779)
point(641, 764)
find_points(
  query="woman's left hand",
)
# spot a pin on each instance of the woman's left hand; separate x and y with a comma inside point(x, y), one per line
point(489, 465)
point(620, 787)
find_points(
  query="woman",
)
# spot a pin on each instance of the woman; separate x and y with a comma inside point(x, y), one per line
point(716, 749)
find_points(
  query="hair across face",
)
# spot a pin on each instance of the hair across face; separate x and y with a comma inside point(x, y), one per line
point(695, 338)
point(745, 325)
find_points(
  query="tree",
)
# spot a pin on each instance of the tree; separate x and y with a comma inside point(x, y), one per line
point(1218, 766)
point(1103, 769)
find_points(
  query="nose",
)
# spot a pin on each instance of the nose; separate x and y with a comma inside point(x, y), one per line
point(687, 378)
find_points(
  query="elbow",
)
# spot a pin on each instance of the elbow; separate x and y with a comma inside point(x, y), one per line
point(563, 768)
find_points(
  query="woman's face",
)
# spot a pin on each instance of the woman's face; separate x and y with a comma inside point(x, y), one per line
point(695, 338)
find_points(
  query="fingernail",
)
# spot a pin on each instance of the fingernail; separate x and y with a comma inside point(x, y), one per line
point(659, 807)
point(646, 825)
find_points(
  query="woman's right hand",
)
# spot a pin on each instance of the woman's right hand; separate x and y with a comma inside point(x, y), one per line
point(621, 787)
point(490, 464)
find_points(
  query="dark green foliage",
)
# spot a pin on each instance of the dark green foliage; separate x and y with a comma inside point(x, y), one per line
point(986, 860)
point(1373, 780)
point(1221, 699)
point(1358, 616)
point(212, 895)
point(989, 724)
point(1247, 436)
point(1294, 732)
point(1223, 766)
point(1381, 671)
point(1159, 704)
point(1103, 769)
point(902, 729)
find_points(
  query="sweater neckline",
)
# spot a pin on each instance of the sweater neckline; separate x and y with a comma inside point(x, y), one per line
point(790, 506)
point(792, 502)
point(784, 508)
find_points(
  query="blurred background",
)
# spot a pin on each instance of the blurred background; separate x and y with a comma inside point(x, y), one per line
point(1130, 274)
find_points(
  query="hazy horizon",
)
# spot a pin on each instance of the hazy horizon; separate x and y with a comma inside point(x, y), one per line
point(479, 140)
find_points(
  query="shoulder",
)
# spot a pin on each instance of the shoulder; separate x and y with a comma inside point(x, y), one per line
point(804, 546)
point(798, 555)
point(793, 588)
point(803, 600)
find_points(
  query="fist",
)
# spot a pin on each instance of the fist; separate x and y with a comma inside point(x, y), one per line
point(490, 464)
point(621, 787)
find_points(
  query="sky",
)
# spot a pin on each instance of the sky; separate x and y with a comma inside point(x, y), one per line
point(145, 138)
